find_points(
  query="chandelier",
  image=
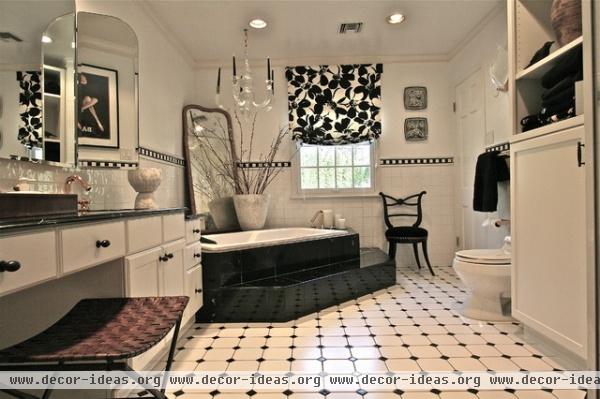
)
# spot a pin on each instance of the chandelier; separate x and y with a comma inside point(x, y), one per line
point(244, 98)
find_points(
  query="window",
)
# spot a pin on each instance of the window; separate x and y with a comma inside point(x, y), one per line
point(334, 168)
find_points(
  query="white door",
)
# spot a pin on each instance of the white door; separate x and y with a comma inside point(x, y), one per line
point(171, 271)
point(549, 238)
point(470, 119)
point(141, 273)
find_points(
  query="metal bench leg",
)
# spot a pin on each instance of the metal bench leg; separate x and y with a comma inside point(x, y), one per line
point(171, 353)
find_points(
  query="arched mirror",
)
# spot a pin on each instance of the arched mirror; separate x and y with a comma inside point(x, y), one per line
point(37, 88)
point(107, 89)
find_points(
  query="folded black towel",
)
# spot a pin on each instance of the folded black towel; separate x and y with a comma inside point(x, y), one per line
point(541, 53)
point(558, 108)
point(567, 82)
point(490, 170)
point(570, 65)
point(567, 93)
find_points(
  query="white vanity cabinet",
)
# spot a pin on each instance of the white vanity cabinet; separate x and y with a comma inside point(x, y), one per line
point(36, 257)
point(549, 293)
point(193, 268)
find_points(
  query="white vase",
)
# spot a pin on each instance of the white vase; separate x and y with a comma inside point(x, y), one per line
point(223, 213)
point(251, 210)
point(145, 181)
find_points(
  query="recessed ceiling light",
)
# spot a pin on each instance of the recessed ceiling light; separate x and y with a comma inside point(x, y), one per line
point(46, 39)
point(258, 23)
point(396, 18)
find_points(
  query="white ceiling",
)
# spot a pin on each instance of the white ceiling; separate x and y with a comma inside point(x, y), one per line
point(211, 31)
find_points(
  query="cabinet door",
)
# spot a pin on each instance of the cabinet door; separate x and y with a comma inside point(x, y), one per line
point(171, 269)
point(141, 273)
point(549, 238)
point(193, 289)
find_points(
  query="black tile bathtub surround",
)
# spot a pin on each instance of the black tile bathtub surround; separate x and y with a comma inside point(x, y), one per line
point(280, 282)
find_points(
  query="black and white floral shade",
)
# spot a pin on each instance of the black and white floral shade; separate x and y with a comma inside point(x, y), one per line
point(30, 109)
point(334, 104)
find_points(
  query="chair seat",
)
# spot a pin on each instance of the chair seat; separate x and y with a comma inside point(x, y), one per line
point(406, 232)
point(102, 329)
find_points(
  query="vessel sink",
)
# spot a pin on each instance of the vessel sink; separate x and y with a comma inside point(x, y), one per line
point(24, 204)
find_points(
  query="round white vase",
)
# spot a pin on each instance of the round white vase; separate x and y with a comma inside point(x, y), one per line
point(145, 181)
point(252, 210)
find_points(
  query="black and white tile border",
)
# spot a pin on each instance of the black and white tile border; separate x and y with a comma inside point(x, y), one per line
point(498, 147)
point(416, 161)
point(146, 152)
point(87, 163)
point(259, 164)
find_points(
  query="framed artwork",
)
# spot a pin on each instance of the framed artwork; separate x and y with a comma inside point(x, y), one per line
point(416, 129)
point(98, 106)
point(415, 98)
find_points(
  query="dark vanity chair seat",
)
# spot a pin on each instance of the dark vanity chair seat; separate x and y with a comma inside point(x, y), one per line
point(413, 234)
point(99, 334)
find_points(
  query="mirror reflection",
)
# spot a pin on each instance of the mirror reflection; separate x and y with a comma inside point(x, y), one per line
point(107, 110)
point(36, 71)
point(210, 166)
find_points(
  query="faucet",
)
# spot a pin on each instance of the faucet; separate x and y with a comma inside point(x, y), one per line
point(84, 204)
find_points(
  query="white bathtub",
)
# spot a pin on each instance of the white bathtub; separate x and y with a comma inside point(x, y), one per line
point(260, 238)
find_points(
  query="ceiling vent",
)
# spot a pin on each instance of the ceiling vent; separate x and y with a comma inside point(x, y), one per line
point(8, 37)
point(350, 27)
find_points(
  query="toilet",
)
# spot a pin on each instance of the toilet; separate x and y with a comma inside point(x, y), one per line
point(486, 273)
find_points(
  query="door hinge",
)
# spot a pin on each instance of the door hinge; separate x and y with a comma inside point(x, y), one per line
point(580, 147)
point(453, 107)
point(457, 242)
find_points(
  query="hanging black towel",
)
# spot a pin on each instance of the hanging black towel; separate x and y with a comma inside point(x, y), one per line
point(490, 170)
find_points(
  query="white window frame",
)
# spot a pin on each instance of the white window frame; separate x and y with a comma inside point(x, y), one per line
point(332, 192)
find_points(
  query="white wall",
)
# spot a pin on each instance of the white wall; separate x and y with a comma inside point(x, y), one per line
point(365, 214)
point(479, 54)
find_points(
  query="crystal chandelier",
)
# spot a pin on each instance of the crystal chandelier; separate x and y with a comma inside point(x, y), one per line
point(244, 98)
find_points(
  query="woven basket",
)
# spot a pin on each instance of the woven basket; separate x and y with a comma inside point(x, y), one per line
point(566, 20)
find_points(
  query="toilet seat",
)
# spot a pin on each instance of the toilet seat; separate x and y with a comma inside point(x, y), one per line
point(484, 256)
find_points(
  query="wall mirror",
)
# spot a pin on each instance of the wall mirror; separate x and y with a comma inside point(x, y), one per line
point(209, 166)
point(37, 90)
point(107, 89)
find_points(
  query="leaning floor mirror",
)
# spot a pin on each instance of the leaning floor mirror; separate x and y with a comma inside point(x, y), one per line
point(210, 166)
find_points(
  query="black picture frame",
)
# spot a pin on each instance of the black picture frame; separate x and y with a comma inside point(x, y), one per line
point(107, 98)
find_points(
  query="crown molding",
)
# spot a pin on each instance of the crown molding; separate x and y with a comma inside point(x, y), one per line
point(477, 29)
point(353, 59)
point(167, 33)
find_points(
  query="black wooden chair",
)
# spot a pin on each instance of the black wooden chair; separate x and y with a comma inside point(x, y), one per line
point(406, 234)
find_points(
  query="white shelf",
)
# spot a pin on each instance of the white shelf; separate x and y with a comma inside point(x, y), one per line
point(537, 70)
point(548, 129)
point(52, 95)
point(51, 140)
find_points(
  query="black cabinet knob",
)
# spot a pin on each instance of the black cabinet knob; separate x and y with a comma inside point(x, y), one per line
point(9, 266)
point(102, 244)
point(197, 255)
point(196, 231)
point(163, 258)
point(170, 256)
point(198, 290)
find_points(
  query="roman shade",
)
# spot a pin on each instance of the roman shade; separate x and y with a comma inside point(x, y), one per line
point(334, 104)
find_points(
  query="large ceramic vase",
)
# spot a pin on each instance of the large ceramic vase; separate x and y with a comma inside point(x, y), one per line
point(223, 213)
point(566, 20)
point(251, 210)
point(145, 181)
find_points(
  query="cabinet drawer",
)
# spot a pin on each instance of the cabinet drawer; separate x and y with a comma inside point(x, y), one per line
point(81, 245)
point(143, 233)
point(192, 230)
point(37, 255)
point(173, 227)
point(193, 255)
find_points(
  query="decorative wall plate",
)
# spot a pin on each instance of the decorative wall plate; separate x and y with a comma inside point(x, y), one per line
point(415, 98)
point(416, 129)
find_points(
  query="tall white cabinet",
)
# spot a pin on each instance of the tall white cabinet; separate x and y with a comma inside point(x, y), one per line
point(552, 195)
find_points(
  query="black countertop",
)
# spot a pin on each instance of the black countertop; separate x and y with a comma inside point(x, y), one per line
point(9, 225)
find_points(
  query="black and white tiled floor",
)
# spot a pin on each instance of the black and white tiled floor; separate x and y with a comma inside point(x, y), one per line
point(412, 326)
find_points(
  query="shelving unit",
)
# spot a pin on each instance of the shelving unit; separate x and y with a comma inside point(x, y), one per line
point(552, 193)
point(54, 113)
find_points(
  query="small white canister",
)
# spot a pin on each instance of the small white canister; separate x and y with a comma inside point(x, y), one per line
point(327, 218)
